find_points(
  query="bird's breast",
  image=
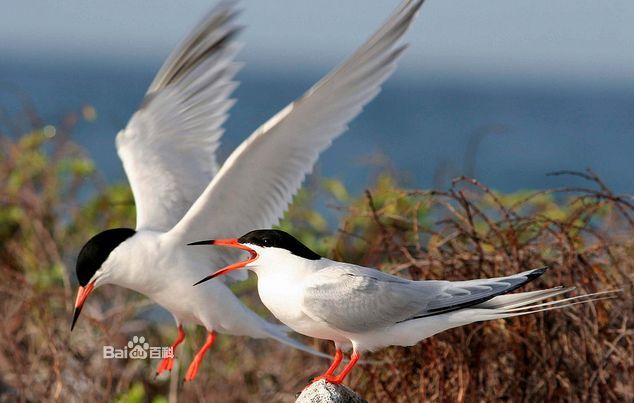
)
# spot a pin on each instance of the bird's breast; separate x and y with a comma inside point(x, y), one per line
point(283, 296)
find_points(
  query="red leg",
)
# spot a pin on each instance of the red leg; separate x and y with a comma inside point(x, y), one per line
point(329, 377)
point(335, 363)
point(333, 366)
point(342, 375)
point(168, 362)
point(193, 367)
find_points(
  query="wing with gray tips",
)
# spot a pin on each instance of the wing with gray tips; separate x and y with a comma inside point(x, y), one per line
point(257, 182)
point(168, 147)
point(358, 299)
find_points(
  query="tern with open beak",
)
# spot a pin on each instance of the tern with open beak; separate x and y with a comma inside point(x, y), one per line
point(366, 309)
point(181, 194)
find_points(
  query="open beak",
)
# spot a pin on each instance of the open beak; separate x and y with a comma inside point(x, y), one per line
point(232, 243)
point(82, 295)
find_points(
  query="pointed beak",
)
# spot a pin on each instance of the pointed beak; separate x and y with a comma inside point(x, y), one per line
point(82, 295)
point(232, 243)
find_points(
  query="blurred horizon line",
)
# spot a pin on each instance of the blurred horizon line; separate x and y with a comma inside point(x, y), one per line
point(435, 70)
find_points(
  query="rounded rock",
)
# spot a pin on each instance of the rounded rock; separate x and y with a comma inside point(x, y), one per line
point(324, 392)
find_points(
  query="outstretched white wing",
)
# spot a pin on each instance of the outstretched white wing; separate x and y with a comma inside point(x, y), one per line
point(168, 147)
point(358, 299)
point(257, 182)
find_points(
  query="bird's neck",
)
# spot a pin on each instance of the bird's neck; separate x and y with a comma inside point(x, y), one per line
point(134, 265)
point(279, 284)
point(283, 267)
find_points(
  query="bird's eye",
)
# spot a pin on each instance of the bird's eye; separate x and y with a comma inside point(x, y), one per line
point(266, 242)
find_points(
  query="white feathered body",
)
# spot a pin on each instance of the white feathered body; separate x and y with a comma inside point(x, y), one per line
point(281, 289)
point(368, 309)
point(165, 270)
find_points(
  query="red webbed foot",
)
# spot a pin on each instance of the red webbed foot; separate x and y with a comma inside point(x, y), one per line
point(167, 363)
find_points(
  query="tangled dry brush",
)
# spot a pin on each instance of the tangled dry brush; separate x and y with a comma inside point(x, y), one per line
point(52, 201)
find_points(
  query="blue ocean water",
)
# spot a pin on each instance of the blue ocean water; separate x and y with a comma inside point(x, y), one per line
point(429, 128)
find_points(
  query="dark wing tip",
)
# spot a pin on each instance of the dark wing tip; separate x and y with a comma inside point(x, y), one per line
point(535, 273)
point(532, 275)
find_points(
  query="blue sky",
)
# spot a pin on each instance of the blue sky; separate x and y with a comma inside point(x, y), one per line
point(582, 39)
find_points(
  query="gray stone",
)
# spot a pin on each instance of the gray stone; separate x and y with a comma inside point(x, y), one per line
point(324, 392)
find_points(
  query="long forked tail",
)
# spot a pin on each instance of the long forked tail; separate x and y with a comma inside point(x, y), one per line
point(524, 303)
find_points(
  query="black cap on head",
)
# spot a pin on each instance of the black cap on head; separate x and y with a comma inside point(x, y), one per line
point(273, 238)
point(97, 250)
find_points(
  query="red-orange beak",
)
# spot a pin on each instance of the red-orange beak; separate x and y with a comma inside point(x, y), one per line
point(82, 295)
point(232, 243)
